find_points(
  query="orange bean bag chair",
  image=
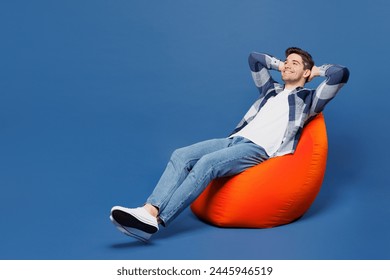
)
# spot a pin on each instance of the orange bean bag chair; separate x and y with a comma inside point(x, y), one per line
point(275, 192)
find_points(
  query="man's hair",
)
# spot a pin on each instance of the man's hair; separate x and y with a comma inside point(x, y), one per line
point(308, 62)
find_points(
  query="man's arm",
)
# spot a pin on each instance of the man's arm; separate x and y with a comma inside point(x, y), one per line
point(259, 64)
point(336, 77)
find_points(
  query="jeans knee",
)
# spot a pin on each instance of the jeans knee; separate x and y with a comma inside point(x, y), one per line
point(179, 159)
point(178, 154)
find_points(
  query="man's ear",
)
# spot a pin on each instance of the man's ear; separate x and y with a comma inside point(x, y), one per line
point(307, 73)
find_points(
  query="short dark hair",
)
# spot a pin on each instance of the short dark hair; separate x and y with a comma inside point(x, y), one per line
point(308, 62)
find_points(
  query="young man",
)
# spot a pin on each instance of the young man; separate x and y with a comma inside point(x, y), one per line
point(271, 127)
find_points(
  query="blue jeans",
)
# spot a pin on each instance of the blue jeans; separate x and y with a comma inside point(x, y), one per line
point(192, 168)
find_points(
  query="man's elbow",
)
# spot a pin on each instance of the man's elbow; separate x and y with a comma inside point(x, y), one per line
point(345, 75)
point(252, 61)
point(338, 75)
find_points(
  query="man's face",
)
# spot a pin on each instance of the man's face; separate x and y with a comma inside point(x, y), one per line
point(293, 69)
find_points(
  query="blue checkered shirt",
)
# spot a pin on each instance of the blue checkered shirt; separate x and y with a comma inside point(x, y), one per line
point(304, 103)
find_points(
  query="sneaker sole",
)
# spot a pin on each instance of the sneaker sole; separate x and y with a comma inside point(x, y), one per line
point(133, 232)
point(129, 221)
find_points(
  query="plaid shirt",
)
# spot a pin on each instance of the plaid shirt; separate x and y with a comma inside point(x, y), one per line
point(304, 103)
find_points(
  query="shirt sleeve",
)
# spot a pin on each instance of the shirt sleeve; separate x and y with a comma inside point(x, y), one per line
point(336, 77)
point(260, 64)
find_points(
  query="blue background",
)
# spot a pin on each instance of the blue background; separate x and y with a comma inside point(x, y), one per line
point(95, 95)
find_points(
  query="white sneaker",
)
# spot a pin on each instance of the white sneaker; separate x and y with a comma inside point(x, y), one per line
point(135, 222)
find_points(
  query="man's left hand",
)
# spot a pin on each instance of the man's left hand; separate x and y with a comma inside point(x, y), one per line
point(315, 72)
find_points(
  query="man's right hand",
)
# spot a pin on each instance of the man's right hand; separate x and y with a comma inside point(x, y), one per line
point(281, 65)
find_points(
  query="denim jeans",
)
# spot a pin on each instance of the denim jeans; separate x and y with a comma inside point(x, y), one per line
point(192, 168)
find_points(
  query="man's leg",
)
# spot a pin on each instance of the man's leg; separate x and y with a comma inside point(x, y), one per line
point(178, 168)
point(141, 222)
point(237, 157)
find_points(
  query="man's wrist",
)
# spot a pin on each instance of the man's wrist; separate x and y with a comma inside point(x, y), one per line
point(274, 63)
point(322, 69)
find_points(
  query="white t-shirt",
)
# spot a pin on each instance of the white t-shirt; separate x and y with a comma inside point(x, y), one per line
point(268, 127)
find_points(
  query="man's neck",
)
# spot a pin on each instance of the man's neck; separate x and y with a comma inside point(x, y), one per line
point(293, 86)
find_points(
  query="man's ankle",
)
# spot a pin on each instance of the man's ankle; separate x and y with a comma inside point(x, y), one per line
point(152, 210)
